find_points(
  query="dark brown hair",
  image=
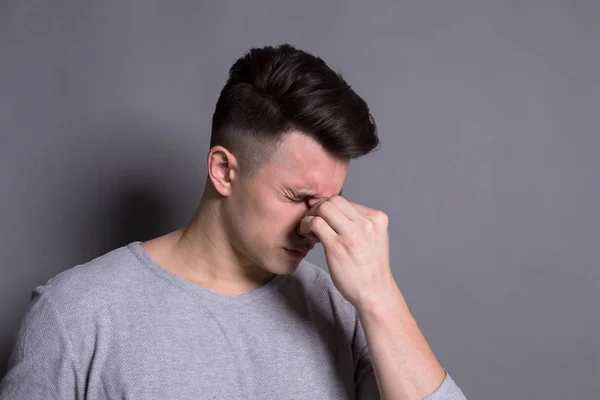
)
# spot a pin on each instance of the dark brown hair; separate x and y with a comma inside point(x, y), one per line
point(274, 90)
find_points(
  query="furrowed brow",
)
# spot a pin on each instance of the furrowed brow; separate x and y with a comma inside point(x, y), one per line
point(308, 195)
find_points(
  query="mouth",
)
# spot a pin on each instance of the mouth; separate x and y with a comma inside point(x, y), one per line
point(297, 254)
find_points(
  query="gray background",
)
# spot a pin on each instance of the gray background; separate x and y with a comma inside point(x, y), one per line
point(489, 116)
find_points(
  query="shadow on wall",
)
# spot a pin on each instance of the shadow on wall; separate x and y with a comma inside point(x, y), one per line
point(141, 212)
point(144, 189)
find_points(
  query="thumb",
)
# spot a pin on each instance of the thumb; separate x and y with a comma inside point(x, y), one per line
point(305, 230)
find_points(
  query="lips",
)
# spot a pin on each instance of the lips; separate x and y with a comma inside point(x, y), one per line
point(303, 250)
point(298, 253)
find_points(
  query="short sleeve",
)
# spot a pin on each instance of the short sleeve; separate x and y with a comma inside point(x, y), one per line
point(448, 390)
point(366, 384)
point(41, 365)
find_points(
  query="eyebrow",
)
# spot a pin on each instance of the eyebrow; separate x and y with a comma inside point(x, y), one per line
point(309, 195)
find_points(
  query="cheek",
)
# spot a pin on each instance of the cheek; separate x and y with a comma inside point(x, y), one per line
point(276, 221)
point(267, 221)
point(291, 215)
point(266, 218)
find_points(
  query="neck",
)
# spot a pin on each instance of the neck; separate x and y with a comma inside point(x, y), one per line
point(206, 256)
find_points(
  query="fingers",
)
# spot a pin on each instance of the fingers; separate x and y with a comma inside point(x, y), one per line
point(315, 225)
point(337, 212)
point(360, 209)
point(304, 229)
point(333, 216)
point(346, 207)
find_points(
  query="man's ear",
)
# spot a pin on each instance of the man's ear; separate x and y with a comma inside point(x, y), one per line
point(222, 169)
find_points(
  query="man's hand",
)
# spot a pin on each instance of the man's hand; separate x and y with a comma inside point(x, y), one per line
point(356, 244)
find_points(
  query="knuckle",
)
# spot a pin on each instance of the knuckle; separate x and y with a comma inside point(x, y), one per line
point(336, 248)
point(369, 227)
point(381, 218)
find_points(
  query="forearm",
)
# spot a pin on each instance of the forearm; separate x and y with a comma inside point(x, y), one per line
point(404, 364)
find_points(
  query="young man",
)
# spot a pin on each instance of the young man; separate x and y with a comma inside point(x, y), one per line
point(226, 307)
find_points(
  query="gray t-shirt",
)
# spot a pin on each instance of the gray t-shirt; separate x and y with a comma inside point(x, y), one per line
point(123, 327)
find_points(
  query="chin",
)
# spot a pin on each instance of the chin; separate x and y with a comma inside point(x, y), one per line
point(282, 267)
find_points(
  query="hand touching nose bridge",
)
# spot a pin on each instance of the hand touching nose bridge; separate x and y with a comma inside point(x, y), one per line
point(306, 232)
point(304, 229)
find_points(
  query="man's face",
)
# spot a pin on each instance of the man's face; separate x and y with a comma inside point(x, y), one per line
point(264, 212)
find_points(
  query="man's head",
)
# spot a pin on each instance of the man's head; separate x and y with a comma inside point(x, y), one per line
point(284, 130)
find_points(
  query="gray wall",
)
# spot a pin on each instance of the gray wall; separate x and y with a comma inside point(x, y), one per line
point(489, 116)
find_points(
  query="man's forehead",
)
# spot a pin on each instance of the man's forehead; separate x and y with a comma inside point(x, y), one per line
point(313, 182)
point(307, 168)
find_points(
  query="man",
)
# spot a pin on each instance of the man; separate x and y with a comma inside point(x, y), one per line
point(226, 307)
